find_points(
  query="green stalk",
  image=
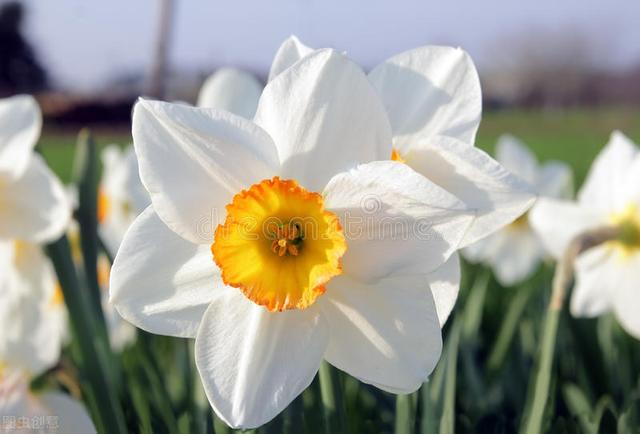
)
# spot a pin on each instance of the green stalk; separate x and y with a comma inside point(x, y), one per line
point(508, 328)
point(538, 390)
point(332, 402)
point(406, 413)
point(447, 422)
point(86, 176)
point(93, 356)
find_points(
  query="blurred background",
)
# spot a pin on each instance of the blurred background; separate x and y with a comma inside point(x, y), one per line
point(560, 75)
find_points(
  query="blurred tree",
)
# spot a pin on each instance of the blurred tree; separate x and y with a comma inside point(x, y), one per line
point(20, 70)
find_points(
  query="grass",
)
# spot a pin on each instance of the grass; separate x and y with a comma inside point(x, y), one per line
point(573, 136)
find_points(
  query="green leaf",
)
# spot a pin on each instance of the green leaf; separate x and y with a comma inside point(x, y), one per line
point(474, 305)
point(508, 329)
point(538, 389)
point(332, 399)
point(447, 421)
point(580, 407)
point(93, 360)
point(629, 420)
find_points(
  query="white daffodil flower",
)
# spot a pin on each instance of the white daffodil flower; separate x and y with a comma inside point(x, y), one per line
point(24, 411)
point(607, 276)
point(121, 198)
point(232, 90)
point(515, 251)
point(434, 103)
point(121, 195)
point(33, 204)
point(283, 241)
point(33, 322)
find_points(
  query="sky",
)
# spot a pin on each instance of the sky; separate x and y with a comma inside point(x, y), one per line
point(85, 44)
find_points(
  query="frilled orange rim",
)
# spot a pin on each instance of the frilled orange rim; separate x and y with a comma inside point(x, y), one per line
point(628, 222)
point(279, 245)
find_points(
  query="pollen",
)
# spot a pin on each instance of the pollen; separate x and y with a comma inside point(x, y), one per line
point(279, 245)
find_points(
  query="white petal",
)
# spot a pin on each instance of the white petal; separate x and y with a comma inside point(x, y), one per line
point(445, 286)
point(160, 282)
point(325, 118)
point(71, 415)
point(516, 157)
point(516, 257)
point(555, 179)
point(430, 91)
point(35, 207)
point(289, 53)
point(136, 193)
point(386, 333)
point(394, 220)
point(253, 362)
point(497, 195)
point(232, 90)
point(606, 185)
point(32, 322)
point(557, 222)
point(626, 298)
point(20, 124)
point(194, 160)
point(597, 274)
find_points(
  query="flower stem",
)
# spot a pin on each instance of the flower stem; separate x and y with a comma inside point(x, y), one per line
point(332, 402)
point(406, 413)
point(93, 353)
point(538, 394)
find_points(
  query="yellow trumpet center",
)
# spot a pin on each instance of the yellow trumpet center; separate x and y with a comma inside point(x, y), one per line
point(628, 221)
point(396, 156)
point(104, 205)
point(57, 298)
point(279, 245)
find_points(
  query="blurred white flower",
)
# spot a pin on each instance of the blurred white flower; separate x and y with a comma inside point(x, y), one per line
point(515, 251)
point(25, 412)
point(607, 276)
point(33, 209)
point(121, 332)
point(277, 297)
point(232, 90)
point(121, 195)
point(33, 323)
point(434, 103)
point(33, 203)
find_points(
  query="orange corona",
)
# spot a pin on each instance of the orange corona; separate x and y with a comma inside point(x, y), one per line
point(279, 245)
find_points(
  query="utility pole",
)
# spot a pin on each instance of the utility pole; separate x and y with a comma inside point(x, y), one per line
point(158, 71)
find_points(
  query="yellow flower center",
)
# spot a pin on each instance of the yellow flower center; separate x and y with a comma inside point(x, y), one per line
point(628, 221)
point(57, 299)
point(520, 223)
point(104, 269)
point(396, 156)
point(278, 245)
point(104, 205)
